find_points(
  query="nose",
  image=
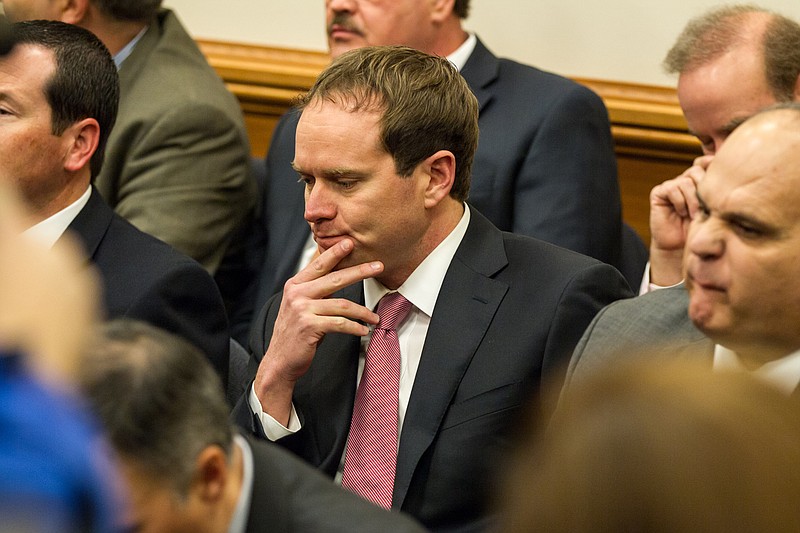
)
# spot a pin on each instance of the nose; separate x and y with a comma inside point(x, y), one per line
point(706, 238)
point(320, 204)
point(339, 6)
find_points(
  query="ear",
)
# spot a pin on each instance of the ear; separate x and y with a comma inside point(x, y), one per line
point(211, 474)
point(74, 11)
point(797, 89)
point(441, 170)
point(441, 10)
point(82, 139)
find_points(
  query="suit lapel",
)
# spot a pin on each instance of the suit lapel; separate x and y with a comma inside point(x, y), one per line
point(92, 223)
point(480, 71)
point(466, 305)
point(332, 383)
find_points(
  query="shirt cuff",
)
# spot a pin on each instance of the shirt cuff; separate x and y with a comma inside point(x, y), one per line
point(273, 429)
point(646, 286)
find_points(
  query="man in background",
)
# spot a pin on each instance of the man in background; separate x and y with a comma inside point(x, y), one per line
point(60, 91)
point(545, 164)
point(177, 162)
point(742, 289)
point(731, 62)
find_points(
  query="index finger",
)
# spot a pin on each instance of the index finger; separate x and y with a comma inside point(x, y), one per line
point(325, 262)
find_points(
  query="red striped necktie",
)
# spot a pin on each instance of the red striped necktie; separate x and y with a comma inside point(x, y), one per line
point(371, 456)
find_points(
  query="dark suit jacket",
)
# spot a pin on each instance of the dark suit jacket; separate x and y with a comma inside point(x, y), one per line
point(146, 279)
point(544, 167)
point(654, 324)
point(290, 496)
point(508, 315)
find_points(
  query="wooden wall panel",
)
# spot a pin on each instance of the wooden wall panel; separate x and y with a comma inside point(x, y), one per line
point(652, 142)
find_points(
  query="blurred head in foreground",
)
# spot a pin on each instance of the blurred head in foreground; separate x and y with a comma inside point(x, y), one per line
point(661, 447)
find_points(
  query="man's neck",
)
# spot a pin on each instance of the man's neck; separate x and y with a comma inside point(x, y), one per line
point(449, 38)
point(754, 357)
point(115, 34)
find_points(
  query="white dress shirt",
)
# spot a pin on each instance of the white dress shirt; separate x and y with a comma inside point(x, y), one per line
point(49, 230)
point(783, 373)
point(242, 510)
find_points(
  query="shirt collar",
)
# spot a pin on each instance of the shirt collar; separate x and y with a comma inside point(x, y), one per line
point(783, 373)
point(241, 513)
point(49, 230)
point(422, 286)
point(461, 55)
point(123, 54)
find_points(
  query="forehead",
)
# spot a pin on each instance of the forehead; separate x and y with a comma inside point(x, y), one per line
point(27, 68)
point(338, 126)
point(388, 6)
point(759, 166)
point(730, 87)
point(19, 10)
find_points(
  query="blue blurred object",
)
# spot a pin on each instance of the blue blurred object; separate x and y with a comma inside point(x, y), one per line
point(56, 473)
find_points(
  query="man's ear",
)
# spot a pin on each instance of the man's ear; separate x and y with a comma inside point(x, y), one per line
point(210, 474)
point(441, 10)
point(797, 89)
point(82, 139)
point(441, 169)
point(74, 11)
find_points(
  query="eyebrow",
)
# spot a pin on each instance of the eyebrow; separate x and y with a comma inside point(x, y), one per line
point(334, 173)
point(726, 128)
point(765, 228)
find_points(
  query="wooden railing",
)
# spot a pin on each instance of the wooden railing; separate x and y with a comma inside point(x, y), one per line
point(652, 140)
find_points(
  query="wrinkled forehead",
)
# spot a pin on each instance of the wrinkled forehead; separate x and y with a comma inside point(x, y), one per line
point(760, 161)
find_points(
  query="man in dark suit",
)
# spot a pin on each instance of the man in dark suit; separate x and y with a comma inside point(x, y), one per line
point(177, 162)
point(740, 305)
point(63, 90)
point(544, 167)
point(384, 146)
point(183, 465)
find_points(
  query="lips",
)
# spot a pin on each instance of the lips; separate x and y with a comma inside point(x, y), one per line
point(326, 241)
point(337, 31)
point(703, 281)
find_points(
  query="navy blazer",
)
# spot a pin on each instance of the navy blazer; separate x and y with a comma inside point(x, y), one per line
point(544, 167)
point(509, 313)
point(146, 279)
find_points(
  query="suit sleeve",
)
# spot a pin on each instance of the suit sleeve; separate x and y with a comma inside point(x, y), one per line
point(187, 302)
point(311, 502)
point(187, 181)
point(589, 291)
point(571, 163)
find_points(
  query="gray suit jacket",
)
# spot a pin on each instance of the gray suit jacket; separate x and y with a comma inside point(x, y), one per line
point(509, 313)
point(654, 324)
point(177, 161)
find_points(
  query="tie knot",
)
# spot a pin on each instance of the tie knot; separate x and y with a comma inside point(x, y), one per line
point(392, 309)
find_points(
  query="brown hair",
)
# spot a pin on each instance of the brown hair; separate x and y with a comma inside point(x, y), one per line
point(712, 34)
point(461, 8)
point(426, 105)
point(662, 447)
